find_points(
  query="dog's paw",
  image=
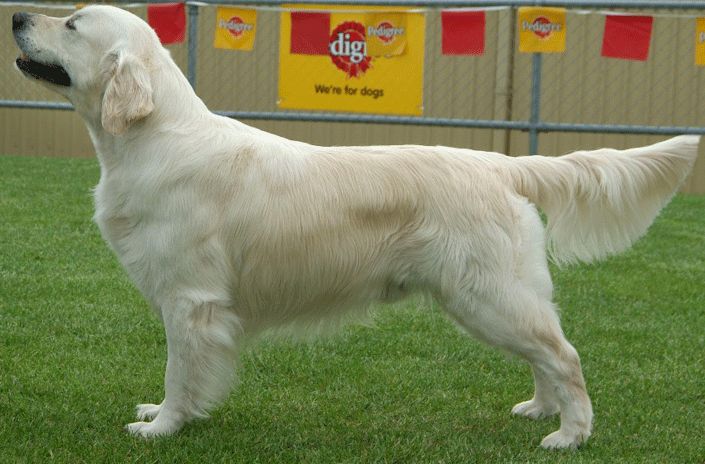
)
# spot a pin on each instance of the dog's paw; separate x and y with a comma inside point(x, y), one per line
point(147, 411)
point(534, 410)
point(152, 429)
point(561, 440)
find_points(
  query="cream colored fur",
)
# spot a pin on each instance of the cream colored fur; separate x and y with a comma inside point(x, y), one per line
point(128, 77)
point(229, 231)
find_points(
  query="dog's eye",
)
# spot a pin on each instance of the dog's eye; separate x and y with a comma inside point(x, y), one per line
point(70, 25)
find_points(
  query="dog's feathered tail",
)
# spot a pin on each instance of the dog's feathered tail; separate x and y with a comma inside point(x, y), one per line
point(598, 203)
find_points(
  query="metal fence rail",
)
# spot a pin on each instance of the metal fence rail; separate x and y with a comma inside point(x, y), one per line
point(536, 97)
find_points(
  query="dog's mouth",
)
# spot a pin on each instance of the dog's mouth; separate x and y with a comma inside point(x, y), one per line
point(52, 73)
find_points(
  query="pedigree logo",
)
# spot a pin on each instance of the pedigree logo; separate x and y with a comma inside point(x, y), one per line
point(236, 26)
point(541, 26)
point(385, 31)
point(348, 48)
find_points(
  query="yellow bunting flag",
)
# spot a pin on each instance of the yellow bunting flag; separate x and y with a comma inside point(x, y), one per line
point(386, 34)
point(541, 30)
point(235, 28)
point(700, 41)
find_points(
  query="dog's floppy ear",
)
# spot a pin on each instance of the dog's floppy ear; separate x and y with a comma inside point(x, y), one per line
point(128, 95)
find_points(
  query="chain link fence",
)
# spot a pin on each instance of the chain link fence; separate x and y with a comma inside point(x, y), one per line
point(575, 91)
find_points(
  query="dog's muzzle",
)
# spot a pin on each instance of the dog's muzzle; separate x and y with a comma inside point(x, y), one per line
point(19, 21)
point(50, 72)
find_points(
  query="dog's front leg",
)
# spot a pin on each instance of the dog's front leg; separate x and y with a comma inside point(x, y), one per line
point(202, 340)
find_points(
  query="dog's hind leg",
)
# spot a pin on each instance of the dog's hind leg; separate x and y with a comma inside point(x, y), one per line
point(531, 330)
point(202, 341)
point(506, 302)
point(543, 404)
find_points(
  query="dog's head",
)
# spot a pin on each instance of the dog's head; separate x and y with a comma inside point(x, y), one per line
point(100, 58)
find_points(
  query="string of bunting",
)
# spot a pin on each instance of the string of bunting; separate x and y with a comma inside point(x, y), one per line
point(370, 59)
point(540, 30)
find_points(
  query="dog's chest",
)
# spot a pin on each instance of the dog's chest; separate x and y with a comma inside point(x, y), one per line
point(162, 231)
point(117, 214)
point(134, 225)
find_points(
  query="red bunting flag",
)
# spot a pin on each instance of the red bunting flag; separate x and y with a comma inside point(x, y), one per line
point(310, 33)
point(168, 20)
point(463, 32)
point(627, 37)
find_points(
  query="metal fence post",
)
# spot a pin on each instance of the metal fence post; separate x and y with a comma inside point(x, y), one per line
point(534, 118)
point(192, 43)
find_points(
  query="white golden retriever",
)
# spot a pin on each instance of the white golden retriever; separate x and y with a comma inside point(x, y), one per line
point(229, 231)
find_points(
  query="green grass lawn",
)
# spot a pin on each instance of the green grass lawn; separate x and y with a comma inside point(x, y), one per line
point(79, 349)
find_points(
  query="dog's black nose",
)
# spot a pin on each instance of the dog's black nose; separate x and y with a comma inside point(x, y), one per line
point(19, 21)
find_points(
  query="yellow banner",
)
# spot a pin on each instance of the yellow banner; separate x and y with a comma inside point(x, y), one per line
point(371, 62)
point(541, 30)
point(700, 41)
point(235, 28)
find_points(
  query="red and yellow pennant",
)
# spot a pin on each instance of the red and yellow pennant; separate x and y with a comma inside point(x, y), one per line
point(541, 30)
point(235, 28)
